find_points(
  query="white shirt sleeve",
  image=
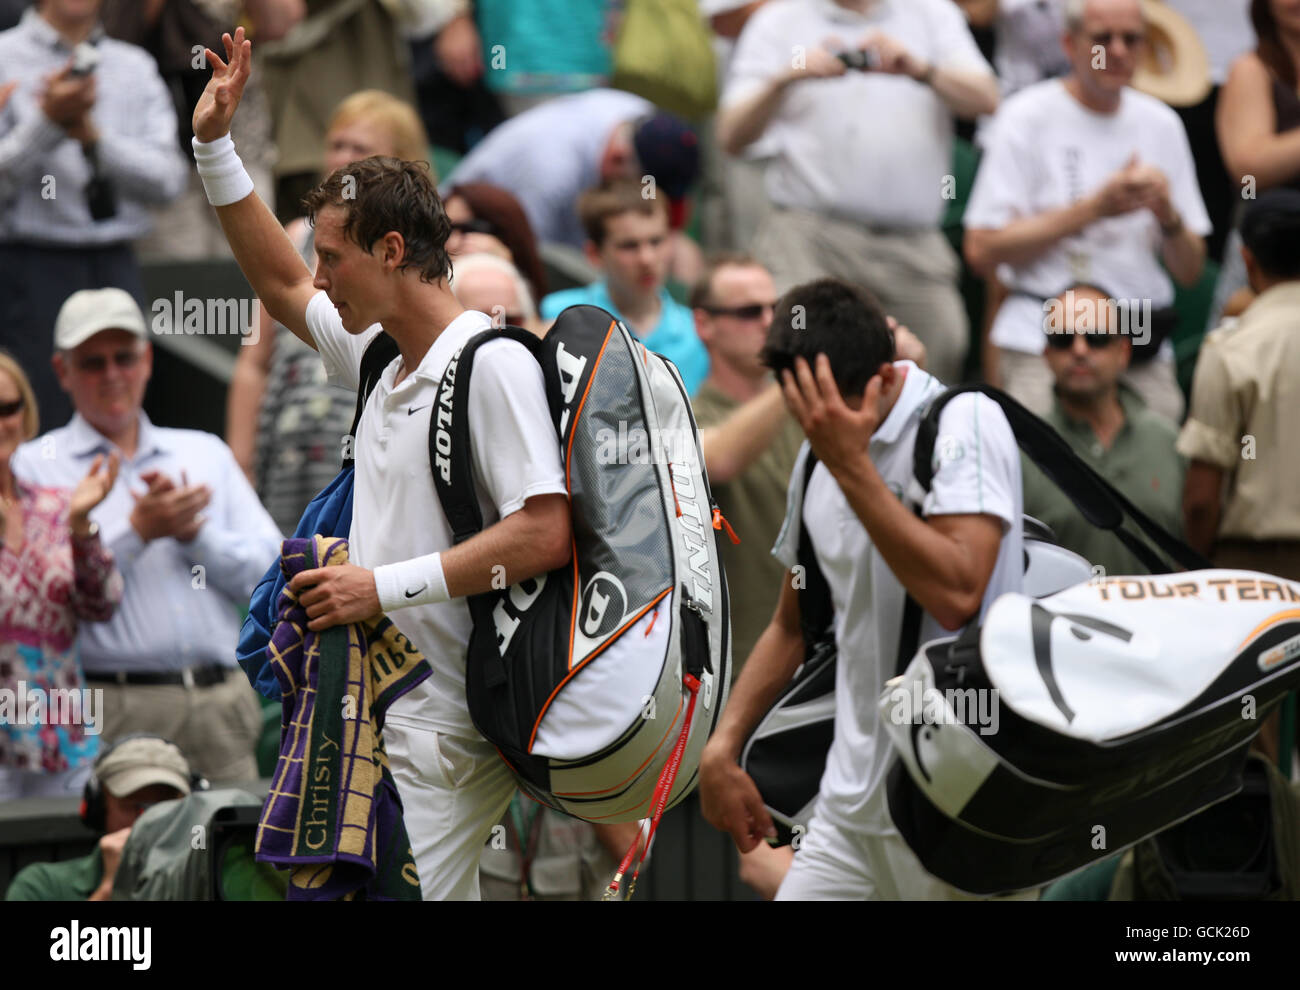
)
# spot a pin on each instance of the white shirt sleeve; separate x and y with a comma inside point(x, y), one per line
point(515, 450)
point(978, 462)
point(1004, 184)
point(762, 51)
point(952, 44)
point(239, 540)
point(340, 351)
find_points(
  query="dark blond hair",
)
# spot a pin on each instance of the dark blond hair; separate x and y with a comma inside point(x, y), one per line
point(31, 417)
point(410, 141)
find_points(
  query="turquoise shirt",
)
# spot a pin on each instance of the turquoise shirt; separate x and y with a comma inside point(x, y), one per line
point(546, 46)
point(673, 336)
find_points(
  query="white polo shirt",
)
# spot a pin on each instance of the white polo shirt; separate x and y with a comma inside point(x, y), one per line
point(979, 473)
point(866, 145)
point(396, 514)
point(1046, 150)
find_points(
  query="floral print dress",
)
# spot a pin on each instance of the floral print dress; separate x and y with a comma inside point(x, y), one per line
point(47, 585)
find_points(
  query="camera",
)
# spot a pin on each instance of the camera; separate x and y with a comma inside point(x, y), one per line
point(864, 61)
point(85, 59)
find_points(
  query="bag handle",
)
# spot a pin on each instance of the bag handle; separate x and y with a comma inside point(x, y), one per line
point(1100, 502)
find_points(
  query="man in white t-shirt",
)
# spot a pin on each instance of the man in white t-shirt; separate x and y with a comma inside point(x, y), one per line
point(381, 236)
point(860, 159)
point(860, 411)
point(1084, 179)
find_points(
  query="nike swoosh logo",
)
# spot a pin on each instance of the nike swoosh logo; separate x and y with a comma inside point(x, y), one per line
point(414, 409)
point(412, 594)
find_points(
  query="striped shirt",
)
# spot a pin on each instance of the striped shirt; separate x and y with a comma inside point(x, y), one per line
point(44, 173)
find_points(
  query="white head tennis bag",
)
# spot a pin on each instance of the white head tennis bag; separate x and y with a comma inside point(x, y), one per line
point(600, 682)
point(1122, 707)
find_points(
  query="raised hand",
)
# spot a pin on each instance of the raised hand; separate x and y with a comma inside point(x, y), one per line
point(216, 107)
point(90, 491)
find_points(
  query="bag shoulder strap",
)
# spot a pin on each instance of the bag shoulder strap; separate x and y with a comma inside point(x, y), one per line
point(1100, 502)
point(816, 610)
point(379, 354)
point(449, 441)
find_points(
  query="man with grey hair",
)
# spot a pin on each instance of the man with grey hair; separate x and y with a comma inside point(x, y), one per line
point(1087, 180)
point(189, 536)
point(490, 284)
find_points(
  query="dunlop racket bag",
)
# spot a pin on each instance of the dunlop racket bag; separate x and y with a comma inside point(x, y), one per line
point(1124, 706)
point(600, 682)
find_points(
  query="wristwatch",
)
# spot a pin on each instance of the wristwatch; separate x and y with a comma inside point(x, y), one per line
point(91, 534)
point(1174, 228)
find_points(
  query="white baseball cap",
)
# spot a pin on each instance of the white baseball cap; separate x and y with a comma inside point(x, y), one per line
point(142, 762)
point(89, 311)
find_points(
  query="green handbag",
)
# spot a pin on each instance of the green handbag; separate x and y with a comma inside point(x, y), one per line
point(664, 53)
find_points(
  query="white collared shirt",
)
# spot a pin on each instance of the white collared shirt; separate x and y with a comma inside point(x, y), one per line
point(180, 606)
point(396, 515)
point(979, 473)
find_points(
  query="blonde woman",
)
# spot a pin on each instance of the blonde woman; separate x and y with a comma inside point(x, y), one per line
point(54, 572)
point(284, 422)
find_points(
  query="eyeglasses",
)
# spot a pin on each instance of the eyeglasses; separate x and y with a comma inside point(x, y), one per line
point(1096, 340)
point(9, 408)
point(1107, 38)
point(96, 363)
point(752, 312)
point(474, 227)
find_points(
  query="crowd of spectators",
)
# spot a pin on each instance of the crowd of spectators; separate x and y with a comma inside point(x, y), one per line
point(1069, 275)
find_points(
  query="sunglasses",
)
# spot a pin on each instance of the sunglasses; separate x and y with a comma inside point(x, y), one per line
point(752, 312)
point(95, 364)
point(474, 227)
point(1107, 38)
point(9, 408)
point(1095, 340)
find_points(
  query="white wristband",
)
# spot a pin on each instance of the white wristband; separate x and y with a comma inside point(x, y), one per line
point(224, 178)
point(418, 581)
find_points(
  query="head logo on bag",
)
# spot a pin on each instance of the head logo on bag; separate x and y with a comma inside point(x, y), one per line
point(604, 603)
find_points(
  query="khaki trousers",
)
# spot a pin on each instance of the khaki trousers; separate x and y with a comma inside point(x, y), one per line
point(913, 273)
point(215, 727)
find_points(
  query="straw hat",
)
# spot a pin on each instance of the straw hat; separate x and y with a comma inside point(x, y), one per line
point(1175, 68)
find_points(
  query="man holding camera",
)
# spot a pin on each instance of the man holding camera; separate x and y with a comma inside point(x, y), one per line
point(86, 141)
point(860, 149)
